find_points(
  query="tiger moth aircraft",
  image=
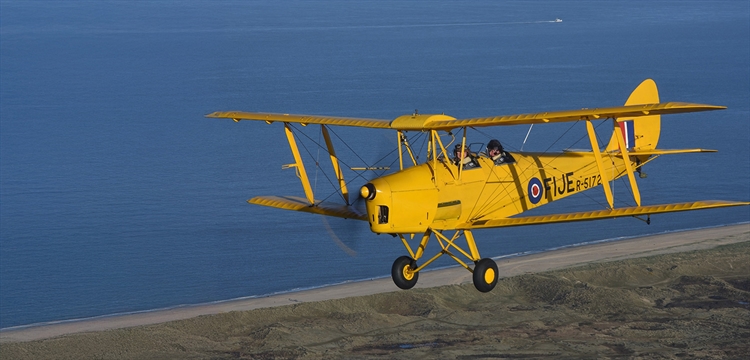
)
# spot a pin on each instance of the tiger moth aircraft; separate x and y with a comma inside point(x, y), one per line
point(449, 194)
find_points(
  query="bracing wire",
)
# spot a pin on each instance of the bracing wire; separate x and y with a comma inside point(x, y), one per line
point(527, 137)
point(317, 164)
point(487, 206)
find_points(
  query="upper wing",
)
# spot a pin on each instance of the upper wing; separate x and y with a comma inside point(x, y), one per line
point(628, 111)
point(303, 119)
point(422, 122)
point(600, 214)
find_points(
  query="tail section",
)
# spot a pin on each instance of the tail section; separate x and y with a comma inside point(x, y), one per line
point(641, 133)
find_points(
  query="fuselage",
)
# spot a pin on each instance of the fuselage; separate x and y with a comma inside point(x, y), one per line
point(435, 195)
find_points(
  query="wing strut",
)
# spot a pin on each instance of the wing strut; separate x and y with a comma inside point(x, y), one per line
point(628, 167)
point(460, 160)
point(299, 165)
point(335, 163)
point(404, 142)
point(400, 135)
point(599, 164)
point(434, 138)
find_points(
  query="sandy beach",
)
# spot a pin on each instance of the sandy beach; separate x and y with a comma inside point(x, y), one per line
point(621, 298)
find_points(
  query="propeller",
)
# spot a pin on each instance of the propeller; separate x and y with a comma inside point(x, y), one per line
point(346, 233)
point(337, 240)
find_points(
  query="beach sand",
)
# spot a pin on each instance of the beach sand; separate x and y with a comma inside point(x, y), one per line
point(682, 294)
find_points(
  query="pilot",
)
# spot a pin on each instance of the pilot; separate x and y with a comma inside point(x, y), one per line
point(463, 156)
point(496, 152)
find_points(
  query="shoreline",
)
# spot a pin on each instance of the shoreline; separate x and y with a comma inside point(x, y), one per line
point(569, 256)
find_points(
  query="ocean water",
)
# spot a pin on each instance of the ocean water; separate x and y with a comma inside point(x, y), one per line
point(117, 195)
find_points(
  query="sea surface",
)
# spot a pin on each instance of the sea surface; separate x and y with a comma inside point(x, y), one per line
point(118, 196)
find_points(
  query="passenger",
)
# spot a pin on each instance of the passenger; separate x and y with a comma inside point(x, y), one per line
point(463, 156)
point(496, 152)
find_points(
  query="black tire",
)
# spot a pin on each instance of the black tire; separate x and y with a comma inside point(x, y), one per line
point(485, 275)
point(399, 274)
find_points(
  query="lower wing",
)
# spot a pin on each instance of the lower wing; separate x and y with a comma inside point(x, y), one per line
point(600, 214)
point(301, 204)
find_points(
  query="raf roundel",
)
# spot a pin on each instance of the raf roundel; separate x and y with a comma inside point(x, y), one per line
point(535, 190)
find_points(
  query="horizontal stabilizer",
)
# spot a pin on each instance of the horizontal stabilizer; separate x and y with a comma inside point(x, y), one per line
point(301, 204)
point(600, 214)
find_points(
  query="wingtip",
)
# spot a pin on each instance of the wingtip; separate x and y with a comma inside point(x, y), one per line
point(710, 107)
point(224, 115)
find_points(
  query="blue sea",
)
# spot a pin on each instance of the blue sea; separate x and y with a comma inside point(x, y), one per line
point(118, 196)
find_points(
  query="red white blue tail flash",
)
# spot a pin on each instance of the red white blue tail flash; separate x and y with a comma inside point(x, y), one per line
point(628, 133)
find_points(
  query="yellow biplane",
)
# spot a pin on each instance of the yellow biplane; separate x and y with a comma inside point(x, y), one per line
point(451, 193)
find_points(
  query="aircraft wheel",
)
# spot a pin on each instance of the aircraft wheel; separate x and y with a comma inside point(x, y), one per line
point(485, 275)
point(402, 273)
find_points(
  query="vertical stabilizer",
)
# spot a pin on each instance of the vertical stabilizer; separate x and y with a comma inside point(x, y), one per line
point(640, 133)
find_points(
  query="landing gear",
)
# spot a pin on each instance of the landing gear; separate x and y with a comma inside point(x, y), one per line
point(485, 275)
point(403, 273)
point(405, 270)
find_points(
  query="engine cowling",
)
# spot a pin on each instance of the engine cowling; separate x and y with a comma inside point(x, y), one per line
point(403, 202)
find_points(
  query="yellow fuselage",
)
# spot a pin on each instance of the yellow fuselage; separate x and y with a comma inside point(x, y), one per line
point(434, 194)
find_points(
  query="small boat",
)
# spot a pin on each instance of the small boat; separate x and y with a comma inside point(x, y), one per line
point(558, 20)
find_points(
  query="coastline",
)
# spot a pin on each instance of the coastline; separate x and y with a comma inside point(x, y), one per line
point(566, 257)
